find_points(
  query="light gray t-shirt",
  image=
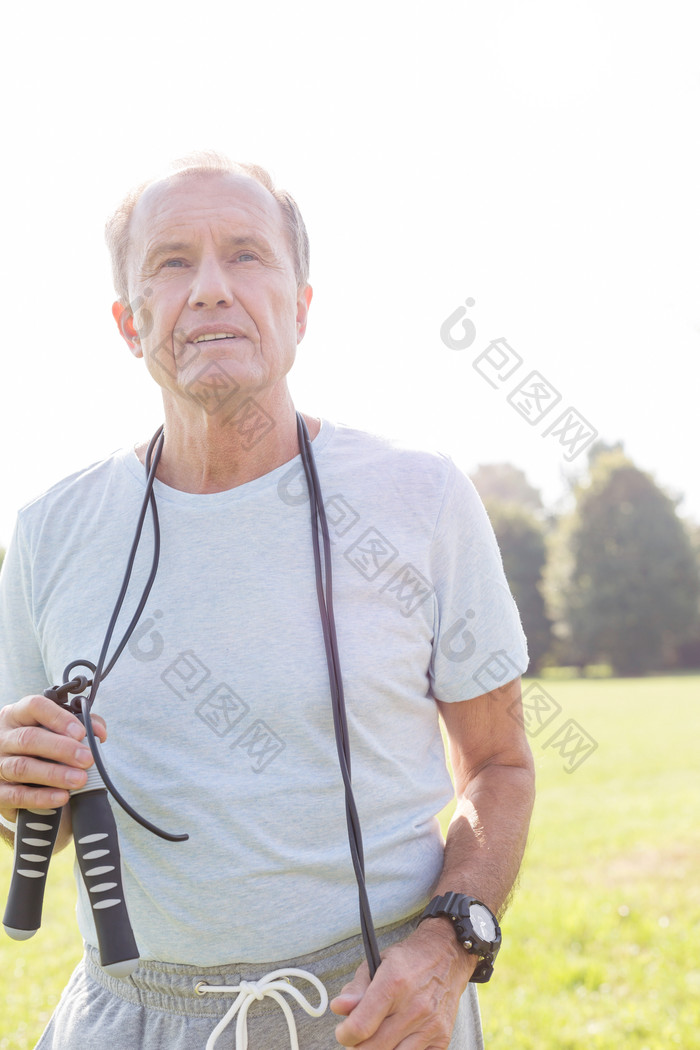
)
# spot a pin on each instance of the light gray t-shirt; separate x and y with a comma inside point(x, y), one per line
point(218, 711)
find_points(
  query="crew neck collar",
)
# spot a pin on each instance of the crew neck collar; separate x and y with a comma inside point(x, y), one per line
point(239, 492)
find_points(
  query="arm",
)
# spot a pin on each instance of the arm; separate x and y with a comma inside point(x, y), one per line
point(416, 990)
point(42, 758)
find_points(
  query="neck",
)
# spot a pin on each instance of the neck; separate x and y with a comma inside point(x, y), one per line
point(213, 453)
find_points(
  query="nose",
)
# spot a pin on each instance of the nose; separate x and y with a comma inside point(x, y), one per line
point(210, 286)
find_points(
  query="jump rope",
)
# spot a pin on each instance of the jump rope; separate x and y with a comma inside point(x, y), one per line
point(94, 828)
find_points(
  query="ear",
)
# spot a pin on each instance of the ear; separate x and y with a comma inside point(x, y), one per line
point(125, 323)
point(303, 303)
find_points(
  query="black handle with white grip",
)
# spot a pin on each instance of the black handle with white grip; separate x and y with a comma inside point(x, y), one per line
point(99, 858)
point(35, 837)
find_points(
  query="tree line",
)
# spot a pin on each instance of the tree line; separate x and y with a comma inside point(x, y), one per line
point(615, 580)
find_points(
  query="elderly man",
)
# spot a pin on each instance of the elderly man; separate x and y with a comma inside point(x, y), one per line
point(218, 707)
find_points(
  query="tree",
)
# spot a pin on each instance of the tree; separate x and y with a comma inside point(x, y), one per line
point(689, 650)
point(504, 483)
point(621, 577)
point(600, 447)
point(521, 539)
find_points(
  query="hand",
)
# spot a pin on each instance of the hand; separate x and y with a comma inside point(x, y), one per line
point(41, 755)
point(412, 1001)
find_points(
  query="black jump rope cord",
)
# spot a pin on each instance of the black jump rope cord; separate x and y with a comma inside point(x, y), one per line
point(324, 590)
point(98, 674)
point(325, 602)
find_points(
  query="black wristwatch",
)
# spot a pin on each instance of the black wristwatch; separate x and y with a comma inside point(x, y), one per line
point(475, 927)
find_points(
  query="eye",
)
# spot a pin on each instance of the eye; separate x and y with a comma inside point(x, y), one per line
point(245, 256)
point(173, 263)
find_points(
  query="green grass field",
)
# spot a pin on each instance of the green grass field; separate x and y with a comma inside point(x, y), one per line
point(602, 941)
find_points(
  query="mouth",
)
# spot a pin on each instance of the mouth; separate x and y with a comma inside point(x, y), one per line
point(210, 337)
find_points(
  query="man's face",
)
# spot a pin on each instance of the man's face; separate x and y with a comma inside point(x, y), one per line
point(211, 279)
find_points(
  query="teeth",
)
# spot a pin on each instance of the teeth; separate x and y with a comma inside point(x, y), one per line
point(214, 335)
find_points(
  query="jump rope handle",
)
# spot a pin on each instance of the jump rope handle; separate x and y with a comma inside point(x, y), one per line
point(97, 849)
point(35, 836)
point(99, 858)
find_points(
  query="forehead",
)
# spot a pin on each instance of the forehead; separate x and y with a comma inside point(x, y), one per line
point(192, 204)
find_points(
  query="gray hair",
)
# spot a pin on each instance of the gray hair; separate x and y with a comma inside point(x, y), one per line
point(205, 163)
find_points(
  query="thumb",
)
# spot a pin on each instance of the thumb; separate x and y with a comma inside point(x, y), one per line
point(351, 994)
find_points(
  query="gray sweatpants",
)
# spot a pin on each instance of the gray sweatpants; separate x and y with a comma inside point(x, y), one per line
point(157, 1008)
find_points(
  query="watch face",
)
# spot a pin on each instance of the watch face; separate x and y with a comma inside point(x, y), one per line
point(482, 922)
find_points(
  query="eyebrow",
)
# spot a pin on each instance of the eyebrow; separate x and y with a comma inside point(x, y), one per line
point(167, 248)
point(250, 241)
point(173, 247)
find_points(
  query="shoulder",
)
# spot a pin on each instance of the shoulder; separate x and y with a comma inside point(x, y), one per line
point(77, 494)
point(426, 480)
point(391, 461)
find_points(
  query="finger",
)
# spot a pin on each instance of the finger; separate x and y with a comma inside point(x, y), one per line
point(40, 711)
point(99, 727)
point(344, 1004)
point(363, 1019)
point(24, 778)
point(25, 796)
point(351, 993)
point(398, 1032)
point(42, 746)
point(35, 742)
point(405, 1029)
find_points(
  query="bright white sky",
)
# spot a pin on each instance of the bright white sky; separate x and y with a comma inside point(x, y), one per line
point(539, 157)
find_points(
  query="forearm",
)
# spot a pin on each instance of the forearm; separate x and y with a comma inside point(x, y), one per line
point(429, 971)
point(487, 835)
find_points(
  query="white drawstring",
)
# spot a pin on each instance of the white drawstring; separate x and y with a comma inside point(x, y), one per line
point(249, 991)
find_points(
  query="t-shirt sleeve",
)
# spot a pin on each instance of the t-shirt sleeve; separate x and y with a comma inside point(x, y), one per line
point(22, 668)
point(479, 643)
